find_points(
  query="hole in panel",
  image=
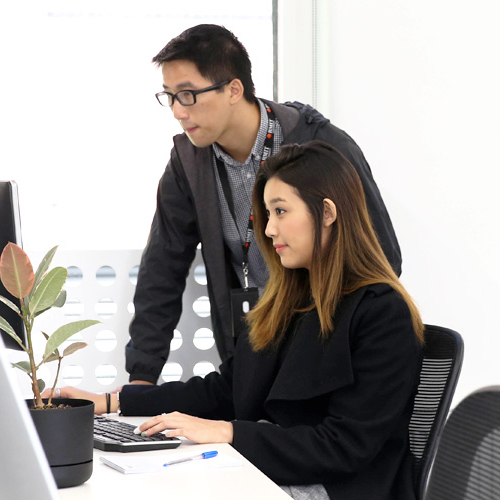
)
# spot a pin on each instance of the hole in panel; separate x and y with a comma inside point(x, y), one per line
point(203, 339)
point(200, 274)
point(132, 275)
point(75, 276)
point(203, 368)
point(171, 372)
point(72, 375)
point(176, 342)
point(201, 306)
point(105, 341)
point(106, 308)
point(105, 275)
point(105, 374)
point(72, 308)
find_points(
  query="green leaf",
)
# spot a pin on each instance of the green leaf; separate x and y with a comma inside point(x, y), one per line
point(41, 384)
point(64, 333)
point(48, 290)
point(16, 271)
point(24, 366)
point(4, 325)
point(61, 300)
point(10, 304)
point(75, 346)
point(43, 267)
point(53, 357)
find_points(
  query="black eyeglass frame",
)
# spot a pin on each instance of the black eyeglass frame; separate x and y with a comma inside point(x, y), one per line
point(194, 93)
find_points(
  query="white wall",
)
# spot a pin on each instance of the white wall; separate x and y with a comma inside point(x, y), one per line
point(80, 129)
point(417, 85)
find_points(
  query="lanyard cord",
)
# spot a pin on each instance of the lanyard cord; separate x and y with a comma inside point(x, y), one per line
point(266, 152)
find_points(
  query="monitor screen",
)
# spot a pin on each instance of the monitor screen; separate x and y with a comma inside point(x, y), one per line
point(10, 231)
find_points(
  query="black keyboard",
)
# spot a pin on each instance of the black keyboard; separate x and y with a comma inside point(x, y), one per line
point(114, 435)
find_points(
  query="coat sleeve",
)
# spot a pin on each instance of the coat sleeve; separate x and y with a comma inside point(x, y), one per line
point(360, 418)
point(164, 267)
point(209, 397)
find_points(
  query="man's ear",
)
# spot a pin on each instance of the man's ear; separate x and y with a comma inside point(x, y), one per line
point(329, 212)
point(237, 90)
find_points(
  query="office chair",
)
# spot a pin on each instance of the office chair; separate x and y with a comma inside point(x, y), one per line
point(467, 463)
point(442, 361)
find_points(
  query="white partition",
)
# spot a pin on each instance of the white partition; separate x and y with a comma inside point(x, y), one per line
point(101, 286)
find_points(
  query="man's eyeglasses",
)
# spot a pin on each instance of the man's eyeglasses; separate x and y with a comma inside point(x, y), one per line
point(185, 97)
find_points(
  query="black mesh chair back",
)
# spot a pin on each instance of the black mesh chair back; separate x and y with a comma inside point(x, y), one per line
point(441, 365)
point(467, 463)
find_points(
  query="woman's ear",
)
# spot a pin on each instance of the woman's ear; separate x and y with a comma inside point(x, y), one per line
point(237, 90)
point(329, 212)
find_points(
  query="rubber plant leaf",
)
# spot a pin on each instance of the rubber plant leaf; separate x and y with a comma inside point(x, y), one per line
point(16, 271)
point(5, 326)
point(48, 290)
point(41, 384)
point(43, 267)
point(10, 304)
point(23, 365)
point(60, 301)
point(75, 346)
point(64, 333)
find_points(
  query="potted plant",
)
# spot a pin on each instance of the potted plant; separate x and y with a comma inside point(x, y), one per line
point(65, 426)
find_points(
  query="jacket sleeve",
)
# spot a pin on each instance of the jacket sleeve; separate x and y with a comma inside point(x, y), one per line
point(164, 267)
point(209, 397)
point(360, 418)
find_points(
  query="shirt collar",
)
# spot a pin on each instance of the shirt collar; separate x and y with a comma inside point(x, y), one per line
point(258, 146)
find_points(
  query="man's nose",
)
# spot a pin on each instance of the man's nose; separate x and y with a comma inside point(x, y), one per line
point(180, 112)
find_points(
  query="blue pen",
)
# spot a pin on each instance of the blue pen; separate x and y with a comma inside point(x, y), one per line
point(201, 456)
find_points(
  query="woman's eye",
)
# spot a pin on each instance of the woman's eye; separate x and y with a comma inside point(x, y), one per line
point(268, 213)
point(279, 211)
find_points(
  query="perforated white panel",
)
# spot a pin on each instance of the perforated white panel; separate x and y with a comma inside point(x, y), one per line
point(101, 286)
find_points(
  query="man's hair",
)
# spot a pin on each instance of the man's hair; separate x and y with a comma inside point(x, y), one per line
point(352, 257)
point(216, 52)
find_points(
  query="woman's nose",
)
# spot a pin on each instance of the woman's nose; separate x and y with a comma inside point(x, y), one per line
point(270, 229)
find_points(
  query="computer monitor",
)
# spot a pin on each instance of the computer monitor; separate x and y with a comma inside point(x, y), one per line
point(10, 231)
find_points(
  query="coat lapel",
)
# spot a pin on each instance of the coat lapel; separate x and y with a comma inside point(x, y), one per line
point(312, 366)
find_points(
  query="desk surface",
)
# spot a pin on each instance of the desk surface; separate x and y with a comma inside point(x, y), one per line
point(181, 483)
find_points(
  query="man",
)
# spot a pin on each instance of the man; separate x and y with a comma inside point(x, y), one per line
point(205, 193)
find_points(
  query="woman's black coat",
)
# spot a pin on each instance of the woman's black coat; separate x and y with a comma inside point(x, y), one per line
point(332, 411)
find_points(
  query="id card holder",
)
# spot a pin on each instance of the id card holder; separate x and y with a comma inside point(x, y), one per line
point(242, 300)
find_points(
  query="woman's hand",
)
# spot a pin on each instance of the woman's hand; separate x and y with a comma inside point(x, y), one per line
point(74, 393)
point(199, 430)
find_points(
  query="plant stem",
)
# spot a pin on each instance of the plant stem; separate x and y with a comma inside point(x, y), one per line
point(28, 324)
point(55, 380)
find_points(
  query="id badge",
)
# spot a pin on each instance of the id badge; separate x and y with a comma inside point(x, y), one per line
point(242, 300)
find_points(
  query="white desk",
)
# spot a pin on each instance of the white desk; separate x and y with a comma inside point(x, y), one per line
point(179, 483)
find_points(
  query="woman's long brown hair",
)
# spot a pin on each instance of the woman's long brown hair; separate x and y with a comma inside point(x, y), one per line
point(352, 258)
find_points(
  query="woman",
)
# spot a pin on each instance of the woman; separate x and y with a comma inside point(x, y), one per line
point(320, 391)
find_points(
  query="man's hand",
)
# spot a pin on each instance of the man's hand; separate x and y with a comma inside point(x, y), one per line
point(199, 430)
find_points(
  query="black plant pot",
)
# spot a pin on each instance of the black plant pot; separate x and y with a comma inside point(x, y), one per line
point(67, 438)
